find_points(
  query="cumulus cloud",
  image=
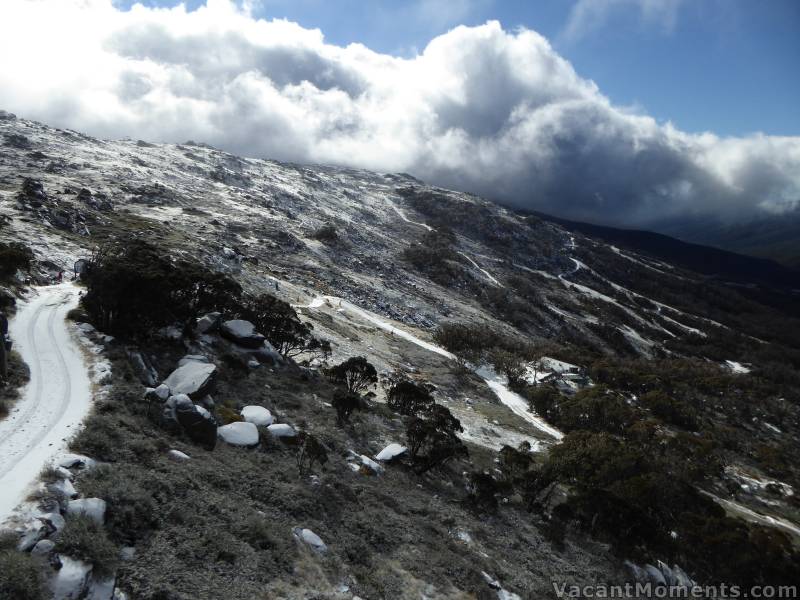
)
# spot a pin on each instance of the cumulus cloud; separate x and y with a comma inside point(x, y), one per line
point(481, 109)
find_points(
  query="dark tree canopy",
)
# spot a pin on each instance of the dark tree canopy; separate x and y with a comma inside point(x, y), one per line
point(356, 374)
point(407, 397)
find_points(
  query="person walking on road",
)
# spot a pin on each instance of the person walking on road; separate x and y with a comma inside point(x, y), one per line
point(3, 347)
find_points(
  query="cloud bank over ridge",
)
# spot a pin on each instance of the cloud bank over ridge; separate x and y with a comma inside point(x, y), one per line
point(481, 109)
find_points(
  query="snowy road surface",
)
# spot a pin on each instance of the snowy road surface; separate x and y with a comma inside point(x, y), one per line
point(56, 399)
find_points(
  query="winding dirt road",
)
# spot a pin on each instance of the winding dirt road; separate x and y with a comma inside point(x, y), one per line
point(56, 399)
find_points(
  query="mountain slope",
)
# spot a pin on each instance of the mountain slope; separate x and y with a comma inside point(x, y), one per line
point(382, 265)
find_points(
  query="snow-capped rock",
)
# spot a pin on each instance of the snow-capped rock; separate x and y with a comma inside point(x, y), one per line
point(193, 378)
point(243, 333)
point(208, 323)
point(43, 547)
point(94, 508)
point(71, 580)
point(178, 456)
point(239, 434)
point(391, 452)
point(311, 539)
point(258, 415)
point(76, 461)
point(281, 430)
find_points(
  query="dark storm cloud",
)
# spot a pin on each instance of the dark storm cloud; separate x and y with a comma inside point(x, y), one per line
point(480, 109)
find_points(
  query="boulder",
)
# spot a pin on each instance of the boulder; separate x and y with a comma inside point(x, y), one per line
point(257, 415)
point(94, 508)
point(239, 434)
point(76, 461)
point(71, 580)
point(364, 464)
point(36, 531)
point(281, 430)
point(391, 452)
point(198, 424)
point(161, 393)
point(194, 378)
point(209, 323)
point(242, 333)
point(311, 539)
point(193, 358)
point(43, 547)
point(54, 521)
point(178, 456)
point(63, 488)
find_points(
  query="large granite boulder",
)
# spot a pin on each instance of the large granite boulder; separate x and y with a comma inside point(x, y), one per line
point(193, 378)
point(239, 433)
point(198, 424)
point(257, 415)
point(242, 333)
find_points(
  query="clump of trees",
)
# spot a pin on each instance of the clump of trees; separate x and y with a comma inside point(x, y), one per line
point(356, 374)
point(14, 257)
point(134, 288)
point(354, 377)
point(278, 322)
point(431, 429)
point(436, 257)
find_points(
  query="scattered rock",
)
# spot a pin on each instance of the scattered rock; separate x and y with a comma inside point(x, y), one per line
point(281, 430)
point(239, 434)
point(178, 456)
point(76, 461)
point(391, 452)
point(94, 508)
point(365, 465)
point(194, 378)
point(197, 422)
point(43, 547)
point(311, 539)
point(54, 521)
point(71, 580)
point(36, 531)
point(242, 333)
point(257, 415)
point(209, 323)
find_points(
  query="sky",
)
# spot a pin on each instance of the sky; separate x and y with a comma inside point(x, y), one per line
point(626, 112)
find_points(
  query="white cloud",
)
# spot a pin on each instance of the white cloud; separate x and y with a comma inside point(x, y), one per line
point(481, 109)
point(587, 16)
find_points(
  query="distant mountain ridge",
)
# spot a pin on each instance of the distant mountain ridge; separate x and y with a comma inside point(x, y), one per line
point(775, 236)
point(703, 259)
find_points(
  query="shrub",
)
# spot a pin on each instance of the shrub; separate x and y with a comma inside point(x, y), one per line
point(326, 234)
point(279, 323)
point(355, 373)
point(345, 403)
point(83, 539)
point(14, 257)
point(20, 576)
point(671, 410)
point(433, 441)
point(134, 287)
point(408, 398)
point(483, 490)
point(131, 511)
point(311, 451)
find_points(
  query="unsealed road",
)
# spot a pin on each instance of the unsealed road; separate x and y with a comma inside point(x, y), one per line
point(56, 399)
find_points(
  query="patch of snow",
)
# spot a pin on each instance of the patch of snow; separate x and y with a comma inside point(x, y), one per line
point(482, 270)
point(737, 367)
point(70, 581)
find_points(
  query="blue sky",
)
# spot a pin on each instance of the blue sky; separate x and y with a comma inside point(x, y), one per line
point(727, 66)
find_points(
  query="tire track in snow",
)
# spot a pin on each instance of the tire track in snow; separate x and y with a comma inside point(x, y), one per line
point(54, 402)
